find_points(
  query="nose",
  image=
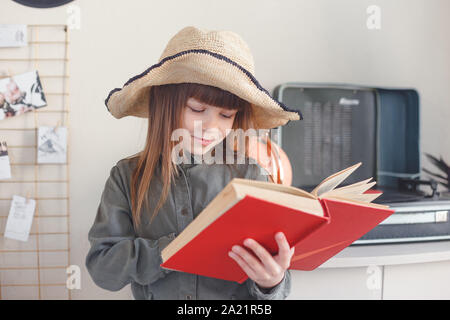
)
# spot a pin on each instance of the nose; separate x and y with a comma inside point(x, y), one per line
point(211, 122)
point(211, 128)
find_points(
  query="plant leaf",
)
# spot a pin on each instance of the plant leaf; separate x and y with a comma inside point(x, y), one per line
point(445, 185)
point(448, 167)
point(440, 164)
point(434, 174)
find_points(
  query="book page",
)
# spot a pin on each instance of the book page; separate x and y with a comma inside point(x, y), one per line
point(335, 179)
point(374, 205)
point(288, 200)
point(355, 190)
point(366, 197)
point(350, 186)
point(273, 186)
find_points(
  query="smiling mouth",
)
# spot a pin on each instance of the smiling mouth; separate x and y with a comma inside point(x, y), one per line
point(203, 141)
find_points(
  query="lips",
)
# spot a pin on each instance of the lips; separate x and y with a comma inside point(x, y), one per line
point(203, 141)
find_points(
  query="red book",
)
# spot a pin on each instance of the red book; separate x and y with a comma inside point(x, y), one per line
point(319, 224)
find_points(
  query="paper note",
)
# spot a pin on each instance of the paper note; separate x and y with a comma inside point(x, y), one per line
point(13, 35)
point(20, 218)
point(5, 167)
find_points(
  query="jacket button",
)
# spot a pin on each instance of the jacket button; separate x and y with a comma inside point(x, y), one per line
point(184, 212)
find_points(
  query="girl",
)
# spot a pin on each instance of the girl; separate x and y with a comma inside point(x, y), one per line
point(203, 83)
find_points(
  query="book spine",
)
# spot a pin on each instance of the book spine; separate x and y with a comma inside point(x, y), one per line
point(326, 221)
point(243, 279)
point(325, 209)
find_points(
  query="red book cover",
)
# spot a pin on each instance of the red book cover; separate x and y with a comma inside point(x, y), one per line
point(347, 222)
point(207, 253)
point(316, 238)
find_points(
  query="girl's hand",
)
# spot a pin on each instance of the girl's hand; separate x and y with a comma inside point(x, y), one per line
point(269, 270)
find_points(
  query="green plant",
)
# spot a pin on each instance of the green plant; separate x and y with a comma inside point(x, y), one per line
point(441, 165)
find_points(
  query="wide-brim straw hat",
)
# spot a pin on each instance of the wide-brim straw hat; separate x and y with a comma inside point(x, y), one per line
point(217, 58)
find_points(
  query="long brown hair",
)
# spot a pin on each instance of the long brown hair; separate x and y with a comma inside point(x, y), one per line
point(165, 109)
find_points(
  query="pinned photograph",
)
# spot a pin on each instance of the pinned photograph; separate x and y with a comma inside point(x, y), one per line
point(21, 93)
point(52, 145)
point(5, 167)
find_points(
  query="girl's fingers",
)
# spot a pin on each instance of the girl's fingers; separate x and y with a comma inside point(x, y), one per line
point(266, 258)
point(244, 265)
point(254, 263)
point(270, 265)
point(284, 250)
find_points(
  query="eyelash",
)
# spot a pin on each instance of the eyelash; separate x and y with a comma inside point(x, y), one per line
point(227, 117)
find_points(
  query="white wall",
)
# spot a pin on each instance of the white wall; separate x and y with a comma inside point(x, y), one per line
point(291, 40)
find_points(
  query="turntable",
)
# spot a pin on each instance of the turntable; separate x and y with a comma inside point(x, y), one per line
point(344, 124)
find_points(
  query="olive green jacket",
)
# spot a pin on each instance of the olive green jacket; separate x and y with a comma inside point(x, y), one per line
point(120, 255)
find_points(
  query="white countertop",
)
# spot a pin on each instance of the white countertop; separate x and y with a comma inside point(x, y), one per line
point(390, 254)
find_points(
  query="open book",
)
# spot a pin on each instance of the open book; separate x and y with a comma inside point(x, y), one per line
point(319, 224)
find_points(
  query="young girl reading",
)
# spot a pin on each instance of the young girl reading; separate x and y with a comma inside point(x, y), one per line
point(203, 85)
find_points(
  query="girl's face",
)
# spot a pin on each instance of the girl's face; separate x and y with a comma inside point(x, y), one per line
point(206, 124)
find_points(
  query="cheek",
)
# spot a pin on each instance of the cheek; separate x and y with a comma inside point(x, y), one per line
point(188, 121)
point(228, 123)
point(225, 127)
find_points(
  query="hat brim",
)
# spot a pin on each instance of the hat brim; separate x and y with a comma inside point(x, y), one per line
point(203, 67)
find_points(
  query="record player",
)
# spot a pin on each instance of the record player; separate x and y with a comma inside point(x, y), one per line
point(344, 124)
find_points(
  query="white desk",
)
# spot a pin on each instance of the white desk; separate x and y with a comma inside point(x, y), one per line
point(390, 254)
point(401, 271)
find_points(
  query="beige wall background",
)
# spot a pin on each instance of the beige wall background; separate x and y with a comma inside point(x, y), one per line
point(291, 40)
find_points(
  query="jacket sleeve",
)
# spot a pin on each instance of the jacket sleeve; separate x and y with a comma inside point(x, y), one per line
point(117, 256)
point(279, 292)
point(283, 289)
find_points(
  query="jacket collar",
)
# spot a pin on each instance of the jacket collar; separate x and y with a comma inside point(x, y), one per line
point(192, 161)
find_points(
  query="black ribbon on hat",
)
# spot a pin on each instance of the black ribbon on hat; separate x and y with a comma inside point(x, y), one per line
point(42, 3)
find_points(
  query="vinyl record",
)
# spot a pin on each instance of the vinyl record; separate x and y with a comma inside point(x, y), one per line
point(43, 3)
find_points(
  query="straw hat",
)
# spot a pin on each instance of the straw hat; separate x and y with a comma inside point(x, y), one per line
point(217, 58)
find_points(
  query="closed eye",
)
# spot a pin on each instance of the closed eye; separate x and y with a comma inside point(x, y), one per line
point(223, 115)
point(196, 110)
